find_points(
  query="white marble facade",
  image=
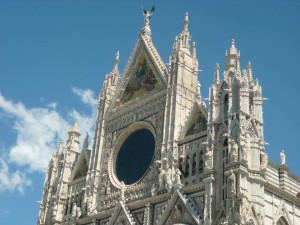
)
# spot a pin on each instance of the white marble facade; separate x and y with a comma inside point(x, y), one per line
point(208, 163)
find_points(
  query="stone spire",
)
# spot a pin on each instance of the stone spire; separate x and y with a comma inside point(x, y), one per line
point(86, 141)
point(75, 129)
point(249, 72)
point(60, 147)
point(185, 35)
point(233, 49)
point(217, 74)
point(116, 65)
point(233, 59)
point(113, 78)
point(194, 50)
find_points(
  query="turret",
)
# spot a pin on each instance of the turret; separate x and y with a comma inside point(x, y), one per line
point(236, 127)
point(232, 59)
point(184, 63)
point(105, 98)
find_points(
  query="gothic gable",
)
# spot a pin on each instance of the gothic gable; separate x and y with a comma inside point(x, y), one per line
point(121, 215)
point(143, 76)
point(196, 122)
point(143, 81)
point(180, 210)
point(81, 167)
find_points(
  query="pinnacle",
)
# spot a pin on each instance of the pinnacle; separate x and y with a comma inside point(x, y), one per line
point(117, 59)
point(233, 49)
point(186, 21)
point(75, 128)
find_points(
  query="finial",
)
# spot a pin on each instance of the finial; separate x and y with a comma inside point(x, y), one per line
point(249, 71)
point(117, 59)
point(233, 50)
point(147, 16)
point(198, 94)
point(194, 50)
point(186, 21)
point(75, 128)
point(185, 35)
point(86, 141)
point(60, 147)
point(217, 74)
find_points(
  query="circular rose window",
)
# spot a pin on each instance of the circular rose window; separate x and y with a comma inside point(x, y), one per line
point(135, 156)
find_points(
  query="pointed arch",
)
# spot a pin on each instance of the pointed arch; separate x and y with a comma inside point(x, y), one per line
point(282, 221)
point(252, 221)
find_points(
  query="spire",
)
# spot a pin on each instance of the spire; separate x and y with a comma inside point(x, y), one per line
point(185, 35)
point(198, 92)
point(194, 50)
point(86, 141)
point(60, 147)
point(233, 58)
point(249, 71)
point(115, 72)
point(186, 22)
point(116, 65)
point(233, 49)
point(74, 130)
point(217, 74)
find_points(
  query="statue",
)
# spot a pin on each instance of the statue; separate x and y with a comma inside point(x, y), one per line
point(264, 160)
point(232, 183)
point(147, 15)
point(177, 212)
point(153, 190)
point(122, 191)
point(208, 159)
point(234, 151)
point(167, 178)
point(282, 157)
point(161, 178)
point(177, 177)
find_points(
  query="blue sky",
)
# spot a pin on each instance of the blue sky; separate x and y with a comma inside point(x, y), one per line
point(55, 54)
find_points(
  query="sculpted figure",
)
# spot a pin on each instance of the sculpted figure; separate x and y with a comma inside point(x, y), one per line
point(122, 191)
point(264, 160)
point(147, 15)
point(161, 178)
point(282, 157)
point(208, 159)
point(177, 177)
point(234, 151)
point(167, 178)
point(232, 183)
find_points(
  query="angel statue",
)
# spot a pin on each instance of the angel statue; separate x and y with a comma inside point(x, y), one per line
point(147, 15)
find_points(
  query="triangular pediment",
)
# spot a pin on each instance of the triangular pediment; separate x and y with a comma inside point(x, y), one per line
point(121, 215)
point(179, 211)
point(82, 166)
point(144, 75)
point(196, 122)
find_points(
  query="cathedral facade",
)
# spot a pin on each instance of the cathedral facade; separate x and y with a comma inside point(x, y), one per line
point(161, 155)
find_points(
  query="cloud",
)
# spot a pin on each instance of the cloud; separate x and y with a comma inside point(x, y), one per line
point(38, 131)
point(12, 181)
point(52, 105)
point(86, 96)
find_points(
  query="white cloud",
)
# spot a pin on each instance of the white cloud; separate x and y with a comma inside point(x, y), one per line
point(12, 181)
point(52, 105)
point(86, 96)
point(38, 131)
